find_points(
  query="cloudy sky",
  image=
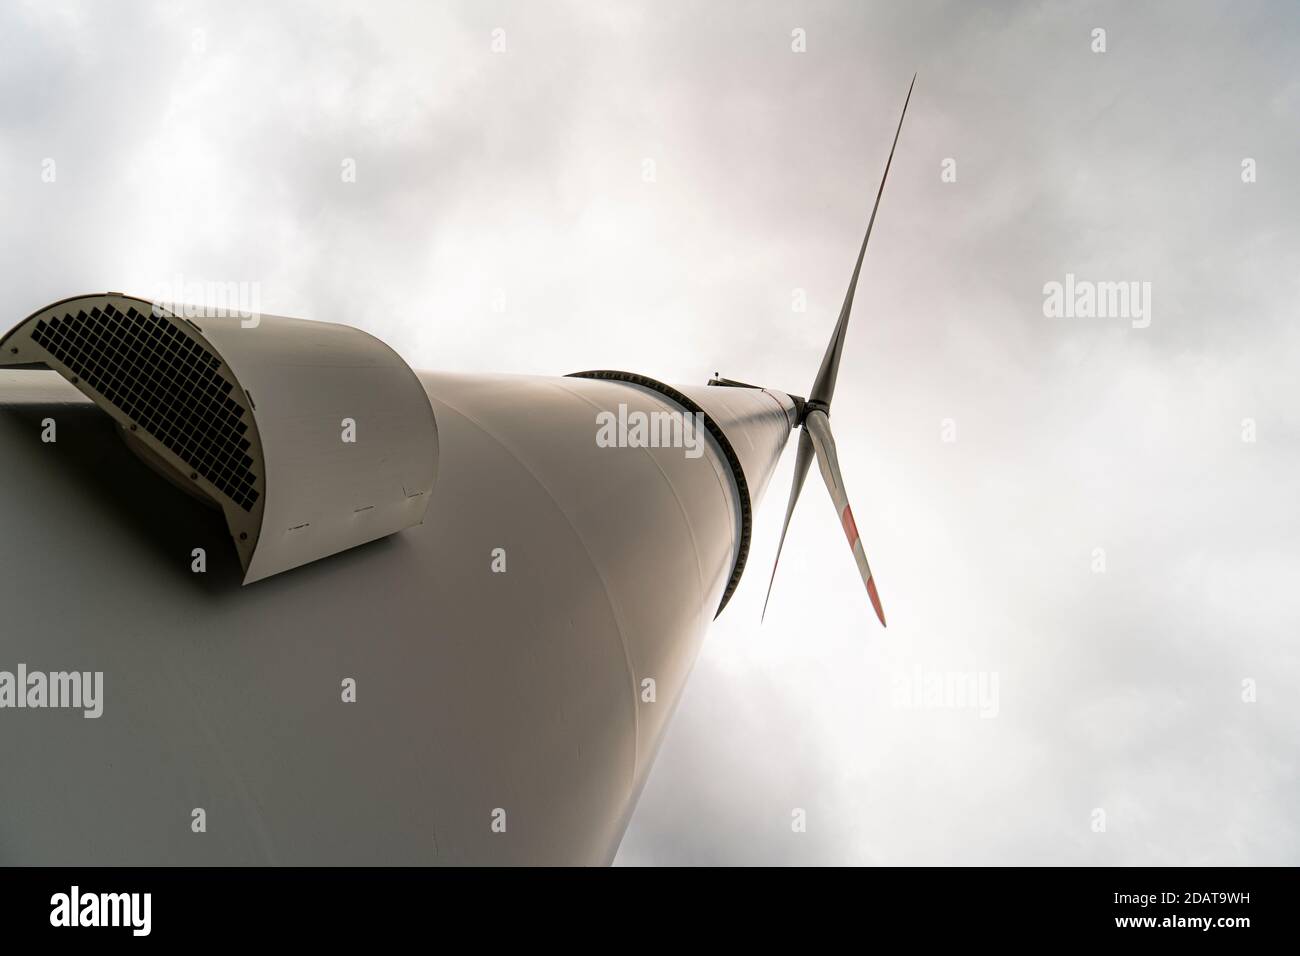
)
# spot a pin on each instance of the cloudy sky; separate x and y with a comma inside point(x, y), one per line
point(1094, 516)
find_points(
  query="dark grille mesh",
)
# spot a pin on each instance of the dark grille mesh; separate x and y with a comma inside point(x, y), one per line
point(167, 384)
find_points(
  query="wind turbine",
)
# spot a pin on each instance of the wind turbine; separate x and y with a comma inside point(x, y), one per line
point(391, 615)
point(815, 437)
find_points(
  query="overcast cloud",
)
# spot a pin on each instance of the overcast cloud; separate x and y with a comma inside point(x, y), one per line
point(206, 140)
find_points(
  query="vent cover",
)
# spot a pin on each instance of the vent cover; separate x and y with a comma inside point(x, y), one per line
point(166, 383)
point(290, 475)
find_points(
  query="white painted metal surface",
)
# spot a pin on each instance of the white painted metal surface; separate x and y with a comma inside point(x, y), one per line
point(523, 691)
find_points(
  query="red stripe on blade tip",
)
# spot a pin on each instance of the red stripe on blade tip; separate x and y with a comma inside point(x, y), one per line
point(850, 527)
point(875, 600)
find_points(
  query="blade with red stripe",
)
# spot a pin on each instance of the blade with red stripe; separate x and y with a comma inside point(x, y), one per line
point(818, 427)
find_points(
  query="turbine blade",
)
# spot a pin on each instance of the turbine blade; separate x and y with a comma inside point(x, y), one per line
point(819, 427)
point(801, 462)
point(824, 385)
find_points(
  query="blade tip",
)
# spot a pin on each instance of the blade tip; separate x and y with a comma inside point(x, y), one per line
point(875, 600)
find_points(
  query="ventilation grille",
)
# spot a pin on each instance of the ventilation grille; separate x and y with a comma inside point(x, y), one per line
point(166, 383)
